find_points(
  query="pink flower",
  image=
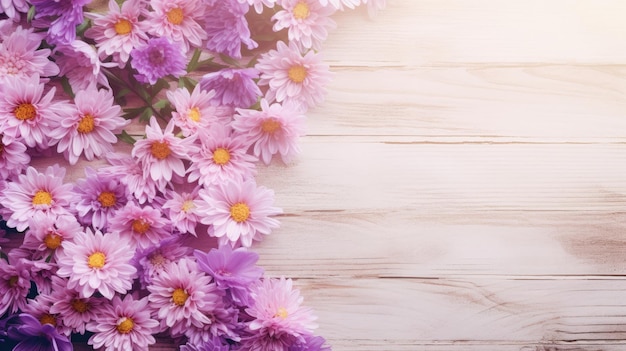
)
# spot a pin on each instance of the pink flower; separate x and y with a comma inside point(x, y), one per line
point(123, 325)
point(143, 227)
point(182, 209)
point(130, 172)
point(13, 157)
point(97, 262)
point(90, 128)
point(40, 307)
point(79, 62)
point(14, 285)
point(238, 211)
point(154, 260)
point(33, 193)
point(273, 130)
point(48, 234)
point(258, 4)
point(340, 4)
point(72, 310)
point(307, 22)
point(20, 56)
point(292, 77)
point(178, 20)
point(193, 111)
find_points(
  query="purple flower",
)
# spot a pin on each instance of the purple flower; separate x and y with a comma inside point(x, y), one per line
point(70, 14)
point(233, 87)
point(227, 28)
point(157, 59)
point(210, 345)
point(33, 335)
point(312, 343)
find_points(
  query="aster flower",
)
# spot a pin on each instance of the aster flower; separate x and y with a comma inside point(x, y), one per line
point(39, 307)
point(238, 211)
point(221, 157)
point(210, 345)
point(158, 58)
point(123, 325)
point(233, 87)
point(118, 31)
point(227, 28)
point(13, 157)
point(98, 198)
point(20, 55)
point(307, 22)
point(178, 20)
point(292, 77)
point(14, 285)
point(311, 343)
point(129, 171)
point(161, 153)
point(182, 294)
point(67, 15)
point(273, 130)
point(96, 262)
point(152, 261)
point(258, 4)
point(341, 4)
point(33, 193)
point(30, 335)
point(277, 308)
point(181, 209)
point(90, 127)
point(266, 339)
point(72, 310)
point(194, 111)
point(142, 226)
point(48, 234)
point(79, 63)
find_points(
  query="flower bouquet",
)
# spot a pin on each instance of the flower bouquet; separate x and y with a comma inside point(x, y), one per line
point(201, 91)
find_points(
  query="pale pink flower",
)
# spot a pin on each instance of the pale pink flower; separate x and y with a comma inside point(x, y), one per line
point(142, 226)
point(20, 56)
point(181, 209)
point(79, 63)
point(258, 4)
point(123, 325)
point(72, 310)
point(48, 234)
point(273, 130)
point(130, 172)
point(13, 157)
point(40, 308)
point(34, 193)
point(90, 128)
point(178, 20)
point(153, 261)
point(14, 285)
point(97, 262)
point(222, 156)
point(118, 31)
point(238, 211)
point(192, 111)
point(12, 8)
point(292, 77)
point(341, 4)
point(307, 22)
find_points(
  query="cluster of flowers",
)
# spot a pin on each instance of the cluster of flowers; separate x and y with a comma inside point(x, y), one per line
point(107, 259)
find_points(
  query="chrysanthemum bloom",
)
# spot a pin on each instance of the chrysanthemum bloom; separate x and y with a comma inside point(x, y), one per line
point(152, 261)
point(20, 56)
point(311, 343)
point(258, 4)
point(292, 77)
point(26, 113)
point(79, 63)
point(210, 345)
point(192, 111)
point(33, 193)
point(129, 171)
point(182, 209)
point(238, 211)
point(13, 157)
point(221, 157)
point(178, 20)
point(273, 130)
point(96, 262)
point(235, 270)
point(266, 339)
point(224, 326)
point(182, 294)
point(90, 127)
point(227, 28)
point(48, 234)
point(341, 4)
point(161, 153)
point(158, 58)
point(72, 310)
point(307, 22)
point(14, 285)
point(39, 307)
point(12, 8)
point(123, 325)
point(142, 226)
point(118, 31)
point(64, 16)
point(233, 87)
point(98, 197)
point(30, 334)
point(277, 307)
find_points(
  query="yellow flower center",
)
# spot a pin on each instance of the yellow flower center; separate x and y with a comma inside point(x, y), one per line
point(13, 281)
point(79, 306)
point(301, 10)
point(221, 156)
point(179, 297)
point(160, 150)
point(48, 319)
point(86, 124)
point(297, 74)
point(125, 326)
point(123, 26)
point(270, 125)
point(107, 199)
point(187, 206)
point(96, 260)
point(282, 313)
point(140, 226)
point(175, 16)
point(25, 111)
point(42, 197)
point(194, 114)
point(239, 212)
point(52, 241)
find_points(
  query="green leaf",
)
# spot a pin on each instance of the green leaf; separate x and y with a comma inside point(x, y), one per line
point(125, 137)
point(161, 104)
point(67, 87)
point(130, 113)
point(160, 85)
point(31, 14)
point(229, 60)
point(146, 114)
point(193, 63)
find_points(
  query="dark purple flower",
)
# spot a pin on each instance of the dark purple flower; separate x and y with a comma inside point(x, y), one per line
point(31, 335)
point(157, 59)
point(227, 28)
point(233, 87)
